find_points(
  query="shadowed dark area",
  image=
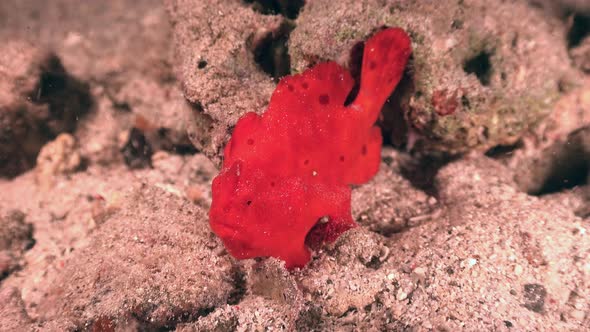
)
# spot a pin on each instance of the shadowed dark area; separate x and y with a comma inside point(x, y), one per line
point(481, 66)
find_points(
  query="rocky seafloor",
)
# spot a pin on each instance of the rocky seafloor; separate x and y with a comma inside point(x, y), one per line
point(113, 116)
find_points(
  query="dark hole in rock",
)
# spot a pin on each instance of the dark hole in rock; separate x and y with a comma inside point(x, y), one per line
point(137, 152)
point(288, 8)
point(465, 102)
point(51, 83)
point(421, 171)
point(349, 312)
point(392, 120)
point(481, 66)
point(163, 132)
point(564, 176)
point(375, 263)
point(503, 151)
point(4, 273)
point(565, 165)
point(122, 106)
point(240, 287)
point(388, 160)
point(457, 24)
point(183, 149)
point(67, 97)
point(580, 29)
point(271, 52)
point(169, 140)
point(52, 80)
point(202, 64)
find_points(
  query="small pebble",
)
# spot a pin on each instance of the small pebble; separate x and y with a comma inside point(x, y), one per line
point(401, 295)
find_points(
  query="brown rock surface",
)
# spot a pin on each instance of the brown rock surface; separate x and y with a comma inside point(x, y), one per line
point(165, 268)
point(13, 316)
point(66, 215)
point(488, 264)
point(482, 72)
point(215, 45)
point(389, 203)
point(469, 85)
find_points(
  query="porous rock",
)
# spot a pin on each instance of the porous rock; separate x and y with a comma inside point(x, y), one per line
point(215, 45)
point(437, 275)
point(481, 72)
point(163, 268)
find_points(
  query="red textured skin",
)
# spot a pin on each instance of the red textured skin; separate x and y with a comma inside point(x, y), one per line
point(291, 166)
